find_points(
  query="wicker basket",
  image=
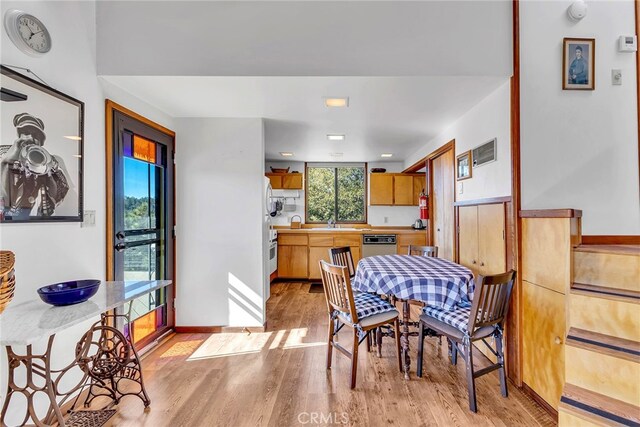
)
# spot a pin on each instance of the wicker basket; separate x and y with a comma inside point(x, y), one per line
point(7, 278)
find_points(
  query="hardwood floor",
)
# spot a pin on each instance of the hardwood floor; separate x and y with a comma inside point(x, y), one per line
point(278, 378)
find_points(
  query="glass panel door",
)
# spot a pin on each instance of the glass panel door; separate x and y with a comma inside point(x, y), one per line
point(143, 219)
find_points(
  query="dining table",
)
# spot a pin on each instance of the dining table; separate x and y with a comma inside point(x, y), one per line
point(434, 281)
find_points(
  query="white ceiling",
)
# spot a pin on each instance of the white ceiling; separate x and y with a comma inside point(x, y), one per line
point(200, 59)
point(385, 114)
point(309, 38)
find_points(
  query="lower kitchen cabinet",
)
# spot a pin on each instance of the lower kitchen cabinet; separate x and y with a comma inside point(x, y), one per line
point(315, 255)
point(292, 262)
point(404, 240)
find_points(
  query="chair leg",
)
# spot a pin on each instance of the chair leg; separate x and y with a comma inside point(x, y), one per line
point(420, 349)
point(396, 334)
point(471, 382)
point(369, 341)
point(354, 358)
point(330, 343)
point(379, 341)
point(454, 352)
point(501, 371)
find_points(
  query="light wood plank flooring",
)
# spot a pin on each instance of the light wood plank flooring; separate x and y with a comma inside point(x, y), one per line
point(278, 378)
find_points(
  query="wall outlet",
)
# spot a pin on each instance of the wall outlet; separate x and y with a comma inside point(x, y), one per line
point(89, 219)
point(616, 77)
point(386, 219)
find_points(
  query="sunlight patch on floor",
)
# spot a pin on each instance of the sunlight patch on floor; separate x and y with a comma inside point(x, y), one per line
point(182, 348)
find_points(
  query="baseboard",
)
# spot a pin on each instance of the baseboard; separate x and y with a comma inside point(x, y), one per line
point(610, 240)
point(540, 401)
point(273, 276)
point(218, 329)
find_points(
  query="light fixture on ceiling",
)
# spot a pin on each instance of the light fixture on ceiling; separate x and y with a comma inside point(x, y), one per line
point(386, 155)
point(336, 102)
point(286, 154)
point(577, 10)
point(335, 137)
point(336, 155)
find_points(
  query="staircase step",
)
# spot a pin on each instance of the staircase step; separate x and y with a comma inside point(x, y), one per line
point(603, 364)
point(595, 408)
point(608, 311)
point(604, 344)
point(616, 266)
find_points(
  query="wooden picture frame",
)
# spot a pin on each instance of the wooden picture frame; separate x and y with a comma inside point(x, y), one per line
point(464, 166)
point(578, 64)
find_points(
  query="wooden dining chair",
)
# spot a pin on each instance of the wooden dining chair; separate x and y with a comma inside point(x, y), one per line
point(363, 313)
point(342, 256)
point(431, 251)
point(464, 325)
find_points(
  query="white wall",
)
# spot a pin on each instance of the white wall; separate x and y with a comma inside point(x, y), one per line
point(220, 203)
point(579, 149)
point(48, 253)
point(488, 119)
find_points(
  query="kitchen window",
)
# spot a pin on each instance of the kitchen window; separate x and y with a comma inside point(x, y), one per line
point(336, 192)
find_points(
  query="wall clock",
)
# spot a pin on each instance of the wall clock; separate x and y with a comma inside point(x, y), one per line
point(27, 32)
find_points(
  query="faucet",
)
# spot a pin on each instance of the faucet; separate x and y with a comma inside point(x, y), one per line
point(331, 223)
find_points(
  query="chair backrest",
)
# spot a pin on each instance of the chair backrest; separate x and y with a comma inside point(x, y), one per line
point(337, 289)
point(491, 300)
point(342, 256)
point(431, 251)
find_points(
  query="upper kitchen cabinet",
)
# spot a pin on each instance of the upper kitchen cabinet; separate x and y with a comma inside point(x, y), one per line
point(395, 189)
point(285, 181)
point(381, 189)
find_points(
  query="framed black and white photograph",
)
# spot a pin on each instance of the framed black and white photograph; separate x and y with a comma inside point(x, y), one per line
point(578, 64)
point(40, 152)
point(463, 166)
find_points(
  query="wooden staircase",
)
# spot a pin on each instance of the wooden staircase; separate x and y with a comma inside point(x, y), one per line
point(602, 347)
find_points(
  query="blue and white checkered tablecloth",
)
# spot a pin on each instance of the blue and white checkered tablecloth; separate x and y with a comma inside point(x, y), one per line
point(435, 281)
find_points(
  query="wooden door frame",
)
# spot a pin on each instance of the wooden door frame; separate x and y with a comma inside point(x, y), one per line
point(111, 108)
point(449, 146)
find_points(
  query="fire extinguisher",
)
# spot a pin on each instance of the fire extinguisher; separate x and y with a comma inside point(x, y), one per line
point(424, 205)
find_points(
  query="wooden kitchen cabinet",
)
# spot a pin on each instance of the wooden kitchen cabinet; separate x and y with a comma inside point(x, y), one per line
point(543, 329)
point(395, 189)
point(404, 240)
point(285, 181)
point(317, 253)
point(381, 189)
point(481, 246)
point(292, 262)
point(403, 190)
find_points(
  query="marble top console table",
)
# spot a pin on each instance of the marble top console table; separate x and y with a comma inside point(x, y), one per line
point(104, 354)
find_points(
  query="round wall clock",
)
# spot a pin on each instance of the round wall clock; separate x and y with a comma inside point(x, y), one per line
point(27, 32)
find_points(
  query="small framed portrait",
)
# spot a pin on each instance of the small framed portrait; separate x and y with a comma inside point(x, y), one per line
point(578, 64)
point(463, 166)
point(40, 152)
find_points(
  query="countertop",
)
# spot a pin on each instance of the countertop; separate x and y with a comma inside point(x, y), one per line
point(30, 321)
point(349, 230)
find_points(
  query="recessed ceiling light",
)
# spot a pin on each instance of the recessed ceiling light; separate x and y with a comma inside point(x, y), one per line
point(73, 138)
point(336, 102)
point(386, 155)
point(335, 137)
point(286, 154)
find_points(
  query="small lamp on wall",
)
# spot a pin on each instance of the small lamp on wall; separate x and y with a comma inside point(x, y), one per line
point(577, 10)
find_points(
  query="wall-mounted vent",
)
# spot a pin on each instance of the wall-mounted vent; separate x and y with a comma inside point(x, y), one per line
point(486, 153)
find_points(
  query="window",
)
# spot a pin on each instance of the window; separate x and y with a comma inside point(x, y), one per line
point(336, 192)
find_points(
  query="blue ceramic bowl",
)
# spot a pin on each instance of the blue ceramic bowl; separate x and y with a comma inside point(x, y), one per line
point(68, 293)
